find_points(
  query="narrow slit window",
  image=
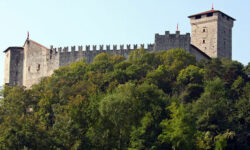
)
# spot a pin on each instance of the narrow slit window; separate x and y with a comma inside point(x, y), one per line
point(29, 68)
point(204, 41)
point(38, 67)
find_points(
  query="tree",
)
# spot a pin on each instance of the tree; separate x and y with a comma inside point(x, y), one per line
point(212, 108)
point(151, 101)
point(191, 74)
point(176, 59)
point(18, 124)
point(178, 131)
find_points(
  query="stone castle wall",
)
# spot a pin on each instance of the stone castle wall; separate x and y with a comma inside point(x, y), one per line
point(35, 63)
point(89, 52)
point(169, 41)
point(39, 61)
point(211, 38)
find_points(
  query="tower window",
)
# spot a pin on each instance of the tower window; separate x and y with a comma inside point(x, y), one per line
point(209, 14)
point(204, 41)
point(204, 30)
point(198, 17)
point(29, 68)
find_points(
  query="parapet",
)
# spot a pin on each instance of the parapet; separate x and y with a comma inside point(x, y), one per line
point(88, 52)
point(168, 35)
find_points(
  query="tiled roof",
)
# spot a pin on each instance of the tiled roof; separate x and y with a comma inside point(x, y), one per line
point(40, 45)
point(210, 11)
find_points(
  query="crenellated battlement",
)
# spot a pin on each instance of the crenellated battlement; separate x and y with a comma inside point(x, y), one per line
point(169, 41)
point(106, 48)
point(167, 35)
point(67, 55)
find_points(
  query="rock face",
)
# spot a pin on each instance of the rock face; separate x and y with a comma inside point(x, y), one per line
point(211, 37)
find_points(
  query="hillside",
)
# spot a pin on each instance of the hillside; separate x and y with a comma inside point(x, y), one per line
point(163, 100)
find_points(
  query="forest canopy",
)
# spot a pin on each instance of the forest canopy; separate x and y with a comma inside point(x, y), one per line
point(150, 101)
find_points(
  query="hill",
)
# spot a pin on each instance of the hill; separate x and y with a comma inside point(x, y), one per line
point(163, 100)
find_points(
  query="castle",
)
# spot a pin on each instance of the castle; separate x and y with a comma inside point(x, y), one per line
point(211, 37)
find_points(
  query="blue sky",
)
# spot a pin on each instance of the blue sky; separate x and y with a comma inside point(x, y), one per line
point(80, 22)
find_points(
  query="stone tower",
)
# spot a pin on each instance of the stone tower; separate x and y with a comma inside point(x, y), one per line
point(13, 68)
point(212, 33)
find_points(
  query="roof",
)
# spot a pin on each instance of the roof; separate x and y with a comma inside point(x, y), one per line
point(211, 11)
point(34, 42)
point(204, 54)
point(12, 47)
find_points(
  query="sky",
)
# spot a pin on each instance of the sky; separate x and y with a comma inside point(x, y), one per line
point(85, 22)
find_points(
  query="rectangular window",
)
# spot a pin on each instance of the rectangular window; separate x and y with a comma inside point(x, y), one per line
point(29, 68)
point(198, 17)
point(209, 14)
point(203, 41)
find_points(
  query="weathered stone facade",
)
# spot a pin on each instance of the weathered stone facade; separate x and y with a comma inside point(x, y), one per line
point(169, 41)
point(13, 72)
point(25, 66)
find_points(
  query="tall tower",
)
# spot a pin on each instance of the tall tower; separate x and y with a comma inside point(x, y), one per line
point(212, 33)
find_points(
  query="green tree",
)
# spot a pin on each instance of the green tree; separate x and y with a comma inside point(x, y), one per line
point(176, 59)
point(179, 131)
point(212, 109)
point(191, 74)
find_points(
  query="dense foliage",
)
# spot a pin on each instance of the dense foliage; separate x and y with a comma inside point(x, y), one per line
point(151, 101)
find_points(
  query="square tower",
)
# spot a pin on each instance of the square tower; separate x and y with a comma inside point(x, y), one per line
point(212, 33)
